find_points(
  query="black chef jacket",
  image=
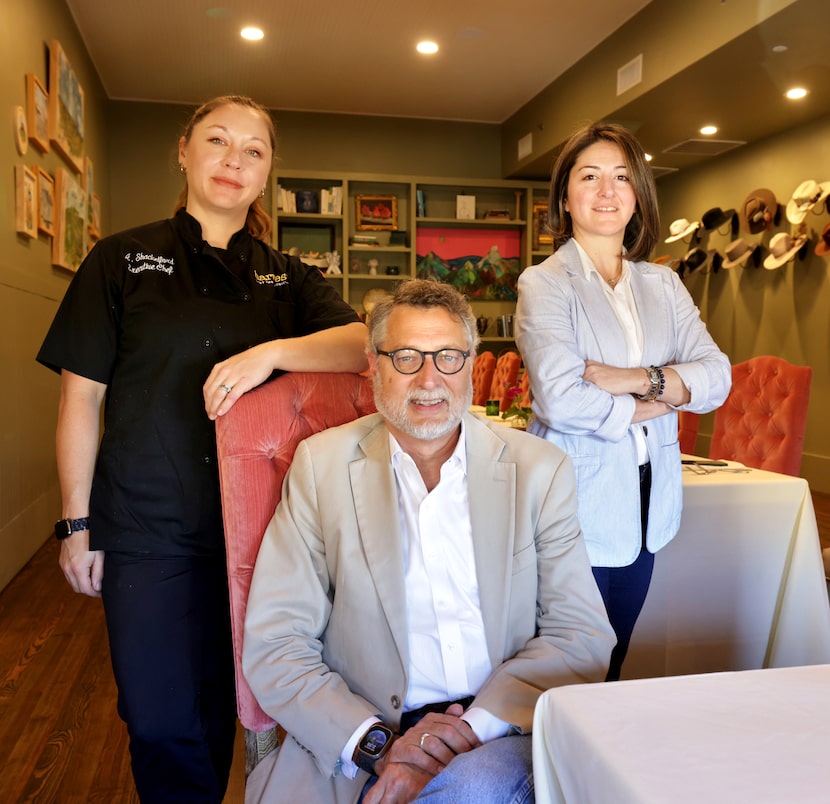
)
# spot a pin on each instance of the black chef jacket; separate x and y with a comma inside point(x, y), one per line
point(149, 313)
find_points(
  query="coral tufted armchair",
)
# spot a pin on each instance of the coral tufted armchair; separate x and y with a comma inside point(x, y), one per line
point(505, 377)
point(255, 443)
point(688, 424)
point(484, 366)
point(762, 422)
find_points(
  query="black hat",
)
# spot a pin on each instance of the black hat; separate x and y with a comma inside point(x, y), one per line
point(694, 258)
point(716, 217)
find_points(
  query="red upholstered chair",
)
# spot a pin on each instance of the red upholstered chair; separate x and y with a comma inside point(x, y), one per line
point(255, 443)
point(505, 377)
point(762, 422)
point(687, 427)
point(484, 367)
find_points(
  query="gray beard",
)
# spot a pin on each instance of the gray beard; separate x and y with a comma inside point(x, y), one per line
point(396, 414)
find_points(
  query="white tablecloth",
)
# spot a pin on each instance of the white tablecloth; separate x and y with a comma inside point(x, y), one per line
point(754, 736)
point(742, 585)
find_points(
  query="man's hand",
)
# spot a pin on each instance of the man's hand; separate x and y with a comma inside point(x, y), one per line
point(419, 754)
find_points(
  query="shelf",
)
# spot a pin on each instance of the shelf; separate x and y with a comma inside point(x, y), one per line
point(387, 277)
point(487, 223)
point(381, 249)
point(309, 216)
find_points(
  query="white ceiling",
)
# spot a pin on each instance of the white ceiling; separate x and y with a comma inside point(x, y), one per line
point(351, 56)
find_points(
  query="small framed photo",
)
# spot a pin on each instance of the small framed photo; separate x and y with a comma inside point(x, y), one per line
point(69, 243)
point(376, 212)
point(21, 130)
point(95, 216)
point(45, 203)
point(541, 233)
point(37, 112)
point(25, 185)
point(66, 108)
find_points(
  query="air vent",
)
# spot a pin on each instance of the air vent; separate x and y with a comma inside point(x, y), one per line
point(629, 75)
point(662, 171)
point(525, 146)
point(707, 147)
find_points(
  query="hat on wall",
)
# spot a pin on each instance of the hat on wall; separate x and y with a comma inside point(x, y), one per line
point(715, 259)
point(782, 248)
point(716, 217)
point(759, 210)
point(737, 252)
point(804, 198)
point(694, 259)
point(823, 246)
point(680, 228)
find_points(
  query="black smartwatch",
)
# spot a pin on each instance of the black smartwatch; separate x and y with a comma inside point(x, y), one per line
point(64, 528)
point(373, 746)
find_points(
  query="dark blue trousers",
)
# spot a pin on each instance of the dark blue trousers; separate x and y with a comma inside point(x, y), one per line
point(169, 630)
point(624, 589)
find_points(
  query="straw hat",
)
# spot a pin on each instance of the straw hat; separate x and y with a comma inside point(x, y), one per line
point(782, 248)
point(804, 198)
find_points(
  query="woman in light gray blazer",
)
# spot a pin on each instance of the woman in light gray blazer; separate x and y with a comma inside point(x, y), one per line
point(614, 346)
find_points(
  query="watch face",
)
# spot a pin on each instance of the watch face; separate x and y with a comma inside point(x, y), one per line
point(63, 529)
point(374, 741)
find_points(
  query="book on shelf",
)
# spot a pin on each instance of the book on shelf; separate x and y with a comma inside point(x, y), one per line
point(420, 203)
point(497, 215)
point(328, 201)
point(364, 240)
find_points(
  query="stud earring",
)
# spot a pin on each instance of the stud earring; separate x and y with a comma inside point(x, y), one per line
point(262, 193)
point(182, 168)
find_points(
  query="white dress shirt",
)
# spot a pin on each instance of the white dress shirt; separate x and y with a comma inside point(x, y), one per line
point(448, 656)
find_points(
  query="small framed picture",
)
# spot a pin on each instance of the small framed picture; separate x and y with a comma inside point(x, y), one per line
point(45, 203)
point(25, 185)
point(37, 112)
point(66, 108)
point(376, 212)
point(69, 243)
point(21, 131)
point(541, 233)
point(95, 216)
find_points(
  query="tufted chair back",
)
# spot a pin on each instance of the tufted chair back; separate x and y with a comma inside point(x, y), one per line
point(483, 368)
point(687, 427)
point(505, 376)
point(255, 443)
point(762, 422)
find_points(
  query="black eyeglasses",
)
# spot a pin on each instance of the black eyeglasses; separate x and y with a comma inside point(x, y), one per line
point(410, 361)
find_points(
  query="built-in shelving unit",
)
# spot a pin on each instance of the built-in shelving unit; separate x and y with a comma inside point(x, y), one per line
point(407, 216)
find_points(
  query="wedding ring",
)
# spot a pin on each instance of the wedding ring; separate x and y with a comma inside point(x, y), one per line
point(423, 737)
point(226, 388)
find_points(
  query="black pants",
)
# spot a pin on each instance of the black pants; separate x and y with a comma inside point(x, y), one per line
point(624, 589)
point(169, 629)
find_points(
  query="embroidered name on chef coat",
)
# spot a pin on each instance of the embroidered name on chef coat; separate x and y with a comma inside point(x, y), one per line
point(149, 262)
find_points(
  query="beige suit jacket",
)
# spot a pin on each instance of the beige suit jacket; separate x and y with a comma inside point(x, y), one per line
point(326, 630)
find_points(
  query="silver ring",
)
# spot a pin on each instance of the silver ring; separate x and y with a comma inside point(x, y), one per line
point(226, 388)
point(423, 737)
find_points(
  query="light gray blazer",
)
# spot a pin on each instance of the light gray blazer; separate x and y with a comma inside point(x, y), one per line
point(564, 319)
point(326, 631)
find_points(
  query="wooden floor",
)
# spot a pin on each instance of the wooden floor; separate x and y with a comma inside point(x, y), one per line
point(60, 738)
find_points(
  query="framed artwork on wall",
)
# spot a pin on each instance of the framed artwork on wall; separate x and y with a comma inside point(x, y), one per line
point(70, 238)
point(25, 186)
point(45, 202)
point(377, 212)
point(37, 112)
point(541, 233)
point(94, 217)
point(66, 108)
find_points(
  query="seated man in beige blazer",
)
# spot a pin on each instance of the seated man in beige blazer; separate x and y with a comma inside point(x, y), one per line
point(422, 582)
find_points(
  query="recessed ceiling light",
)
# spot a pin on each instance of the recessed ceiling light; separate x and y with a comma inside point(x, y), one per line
point(708, 131)
point(779, 48)
point(252, 34)
point(796, 93)
point(426, 47)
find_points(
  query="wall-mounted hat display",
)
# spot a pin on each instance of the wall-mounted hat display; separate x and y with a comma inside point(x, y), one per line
point(716, 217)
point(823, 246)
point(694, 258)
point(668, 261)
point(680, 228)
point(807, 195)
point(738, 252)
point(759, 211)
point(782, 248)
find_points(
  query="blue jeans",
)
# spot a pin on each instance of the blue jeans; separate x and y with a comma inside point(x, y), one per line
point(498, 772)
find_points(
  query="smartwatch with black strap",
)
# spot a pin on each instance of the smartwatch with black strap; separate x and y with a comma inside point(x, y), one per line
point(64, 528)
point(373, 746)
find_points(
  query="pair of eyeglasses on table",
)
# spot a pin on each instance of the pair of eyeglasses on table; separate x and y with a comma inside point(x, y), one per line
point(702, 466)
